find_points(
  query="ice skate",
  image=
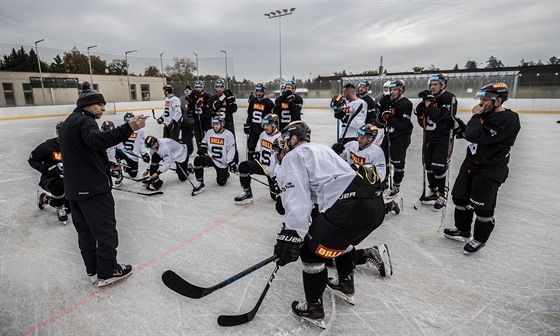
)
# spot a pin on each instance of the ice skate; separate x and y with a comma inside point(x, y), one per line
point(42, 200)
point(343, 288)
point(394, 191)
point(472, 247)
point(310, 312)
point(62, 215)
point(396, 206)
point(387, 265)
point(440, 203)
point(120, 274)
point(118, 178)
point(431, 198)
point(93, 278)
point(379, 258)
point(455, 234)
point(154, 185)
point(245, 197)
point(198, 189)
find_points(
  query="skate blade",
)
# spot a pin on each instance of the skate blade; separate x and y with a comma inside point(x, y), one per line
point(243, 202)
point(457, 238)
point(349, 299)
point(319, 323)
point(197, 192)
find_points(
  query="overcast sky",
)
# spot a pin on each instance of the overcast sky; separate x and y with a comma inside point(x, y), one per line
point(319, 38)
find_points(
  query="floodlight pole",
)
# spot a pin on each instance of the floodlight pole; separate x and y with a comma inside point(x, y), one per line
point(89, 61)
point(40, 72)
point(127, 78)
point(196, 56)
point(225, 60)
point(161, 64)
point(278, 14)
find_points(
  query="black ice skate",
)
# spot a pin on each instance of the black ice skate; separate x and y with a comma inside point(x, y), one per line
point(343, 288)
point(42, 200)
point(395, 206)
point(379, 258)
point(62, 215)
point(455, 234)
point(245, 197)
point(310, 312)
point(198, 189)
point(93, 278)
point(118, 177)
point(431, 198)
point(473, 246)
point(119, 274)
point(440, 203)
point(394, 191)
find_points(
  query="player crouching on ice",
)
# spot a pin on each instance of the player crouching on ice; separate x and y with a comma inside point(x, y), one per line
point(261, 163)
point(47, 159)
point(217, 150)
point(114, 164)
point(164, 152)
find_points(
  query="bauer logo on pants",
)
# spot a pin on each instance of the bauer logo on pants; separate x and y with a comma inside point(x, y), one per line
point(326, 252)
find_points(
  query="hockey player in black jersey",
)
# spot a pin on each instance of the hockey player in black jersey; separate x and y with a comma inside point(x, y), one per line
point(224, 103)
point(200, 111)
point(398, 126)
point(259, 106)
point(288, 104)
point(363, 93)
point(492, 131)
point(47, 159)
point(436, 113)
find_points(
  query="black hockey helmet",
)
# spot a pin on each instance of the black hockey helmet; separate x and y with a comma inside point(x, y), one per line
point(260, 87)
point(107, 125)
point(218, 118)
point(369, 131)
point(337, 103)
point(128, 116)
point(198, 84)
point(57, 127)
point(291, 83)
point(270, 119)
point(150, 141)
point(442, 78)
point(277, 145)
point(168, 89)
point(364, 83)
point(399, 83)
point(220, 83)
point(494, 91)
point(297, 128)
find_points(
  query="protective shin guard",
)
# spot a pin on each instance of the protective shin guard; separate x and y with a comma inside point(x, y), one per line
point(483, 227)
point(346, 262)
point(463, 217)
point(314, 285)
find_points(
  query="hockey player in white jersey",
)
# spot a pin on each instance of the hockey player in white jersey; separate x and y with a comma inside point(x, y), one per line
point(261, 162)
point(350, 207)
point(163, 153)
point(352, 114)
point(217, 150)
point(172, 114)
point(132, 149)
point(114, 165)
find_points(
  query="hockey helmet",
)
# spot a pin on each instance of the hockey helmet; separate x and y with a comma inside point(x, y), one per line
point(198, 84)
point(260, 87)
point(399, 83)
point(107, 125)
point(386, 90)
point(150, 141)
point(57, 127)
point(441, 78)
point(364, 83)
point(218, 118)
point(494, 91)
point(297, 128)
point(168, 89)
point(270, 119)
point(220, 83)
point(369, 131)
point(291, 83)
point(128, 116)
point(337, 103)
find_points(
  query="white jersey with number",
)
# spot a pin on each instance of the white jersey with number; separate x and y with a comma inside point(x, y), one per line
point(133, 147)
point(170, 151)
point(172, 110)
point(372, 154)
point(221, 147)
point(267, 157)
point(311, 173)
point(357, 107)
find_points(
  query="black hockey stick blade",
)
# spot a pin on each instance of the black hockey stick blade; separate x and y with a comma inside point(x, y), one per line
point(149, 193)
point(181, 286)
point(137, 179)
point(234, 320)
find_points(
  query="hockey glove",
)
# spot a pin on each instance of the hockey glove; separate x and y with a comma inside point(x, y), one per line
point(247, 128)
point(338, 148)
point(146, 157)
point(172, 125)
point(386, 115)
point(287, 247)
point(202, 149)
point(279, 207)
point(449, 122)
point(233, 168)
point(290, 98)
point(459, 129)
point(424, 94)
point(253, 155)
point(159, 120)
point(222, 97)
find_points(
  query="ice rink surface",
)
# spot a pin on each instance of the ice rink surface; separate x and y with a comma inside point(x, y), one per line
point(510, 287)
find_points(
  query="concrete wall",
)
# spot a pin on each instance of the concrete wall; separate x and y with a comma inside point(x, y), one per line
point(542, 106)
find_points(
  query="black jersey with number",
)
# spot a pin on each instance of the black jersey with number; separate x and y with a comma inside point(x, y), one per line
point(45, 156)
point(491, 135)
point(400, 124)
point(371, 109)
point(256, 111)
point(445, 107)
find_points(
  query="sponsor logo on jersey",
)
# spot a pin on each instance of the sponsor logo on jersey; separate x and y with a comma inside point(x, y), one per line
point(357, 159)
point(217, 141)
point(326, 252)
point(134, 135)
point(288, 186)
point(347, 195)
point(57, 156)
point(258, 106)
point(266, 144)
point(167, 103)
point(285, 106)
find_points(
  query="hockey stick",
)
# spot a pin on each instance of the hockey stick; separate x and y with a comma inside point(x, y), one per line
point(140, 193)
point(137, 179)
point(257, 180)
point(233, 320)
point(417, 203)
point(341, 140)
point(185, 288)
point(264, 169)
point(187, 175)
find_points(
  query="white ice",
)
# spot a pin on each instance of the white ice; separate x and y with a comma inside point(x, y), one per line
point(510, 287)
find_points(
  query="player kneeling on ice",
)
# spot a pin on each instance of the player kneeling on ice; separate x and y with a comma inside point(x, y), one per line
point(114, 165)
point(216, 150)
point(262, 162)
point(47, 159)
point(132, 149)
point(350, 207)
point(164, 152)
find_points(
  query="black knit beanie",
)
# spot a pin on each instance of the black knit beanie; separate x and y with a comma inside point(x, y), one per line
point(88, 96)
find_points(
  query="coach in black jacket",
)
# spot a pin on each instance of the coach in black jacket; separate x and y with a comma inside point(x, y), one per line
point(88, 184)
